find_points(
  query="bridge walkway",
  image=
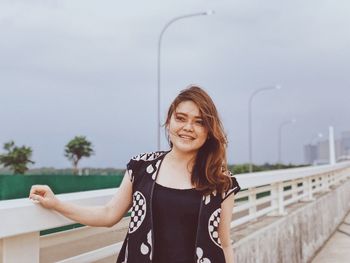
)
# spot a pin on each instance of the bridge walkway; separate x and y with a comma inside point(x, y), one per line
point(337, 248)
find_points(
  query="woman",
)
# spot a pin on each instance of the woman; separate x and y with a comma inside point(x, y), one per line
point(181, 199)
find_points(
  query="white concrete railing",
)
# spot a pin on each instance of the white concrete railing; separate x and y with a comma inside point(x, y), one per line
point(22, 221)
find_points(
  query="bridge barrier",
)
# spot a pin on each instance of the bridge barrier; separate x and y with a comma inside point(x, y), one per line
point(22, 220)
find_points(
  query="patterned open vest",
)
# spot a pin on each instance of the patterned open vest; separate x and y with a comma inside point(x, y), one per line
point(138, 244)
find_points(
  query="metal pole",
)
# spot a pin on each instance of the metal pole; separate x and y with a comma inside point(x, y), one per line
point(332, 158)
point(158, 63)
point(250, 132)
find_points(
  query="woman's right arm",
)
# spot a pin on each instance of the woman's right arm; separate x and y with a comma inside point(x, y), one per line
point(103, 216)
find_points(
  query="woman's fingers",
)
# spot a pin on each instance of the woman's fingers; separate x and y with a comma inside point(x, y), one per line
point(37, 198)
point(42, 194)
point(34, 189)
point(39, 190)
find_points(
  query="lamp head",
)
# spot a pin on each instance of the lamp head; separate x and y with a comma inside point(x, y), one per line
point(277, 86)
point(210, 12)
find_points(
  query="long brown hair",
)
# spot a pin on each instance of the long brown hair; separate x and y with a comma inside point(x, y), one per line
point(210, 166)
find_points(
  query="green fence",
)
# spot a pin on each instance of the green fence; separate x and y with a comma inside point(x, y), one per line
point(18, 186)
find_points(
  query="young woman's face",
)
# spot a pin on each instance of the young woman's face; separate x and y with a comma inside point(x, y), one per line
point(186, 128)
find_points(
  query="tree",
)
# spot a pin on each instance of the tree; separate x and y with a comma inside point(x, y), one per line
point(76, 149)
point(16, 158)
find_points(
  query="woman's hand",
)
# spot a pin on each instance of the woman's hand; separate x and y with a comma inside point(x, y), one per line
point(104, 215)
point(43, 195)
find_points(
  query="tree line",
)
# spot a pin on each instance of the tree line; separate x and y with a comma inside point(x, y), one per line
point(18, 158)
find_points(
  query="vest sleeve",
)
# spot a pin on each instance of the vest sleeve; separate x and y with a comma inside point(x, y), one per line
point(133, 167)
point(234, 189)
point(138, 165)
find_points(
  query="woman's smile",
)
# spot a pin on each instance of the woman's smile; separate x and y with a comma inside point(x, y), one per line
point(186, 137)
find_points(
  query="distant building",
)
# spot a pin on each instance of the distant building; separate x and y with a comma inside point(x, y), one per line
point(310, 153)
point(344, 146)
point(319, 153)
point(323, 151)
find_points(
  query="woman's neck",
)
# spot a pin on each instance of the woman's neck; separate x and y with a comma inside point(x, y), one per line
point(182, 158)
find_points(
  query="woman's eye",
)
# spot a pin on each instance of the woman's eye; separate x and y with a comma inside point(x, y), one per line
point(200, 122)
point(179, 118)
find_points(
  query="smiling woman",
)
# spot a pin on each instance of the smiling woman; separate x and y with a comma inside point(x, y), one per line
point(195, 129)
point(181, 199)
point(185, 127)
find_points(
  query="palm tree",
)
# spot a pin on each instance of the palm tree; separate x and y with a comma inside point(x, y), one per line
point(16, 158)
point(76, 149)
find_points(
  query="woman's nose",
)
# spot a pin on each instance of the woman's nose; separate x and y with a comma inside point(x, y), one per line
point(188, 126)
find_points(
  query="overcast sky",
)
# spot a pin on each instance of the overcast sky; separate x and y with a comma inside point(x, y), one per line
point(89, 68)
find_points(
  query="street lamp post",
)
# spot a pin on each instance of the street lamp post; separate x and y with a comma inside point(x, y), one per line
point(280, 138)
point(210, 12)
point(250, 121)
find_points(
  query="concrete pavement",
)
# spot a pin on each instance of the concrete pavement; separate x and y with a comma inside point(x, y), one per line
point(337, 248)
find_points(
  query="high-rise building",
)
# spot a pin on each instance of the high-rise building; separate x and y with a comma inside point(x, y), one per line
point(319, 153)
point(345, 145)
point(323, 151)
point(310, 153)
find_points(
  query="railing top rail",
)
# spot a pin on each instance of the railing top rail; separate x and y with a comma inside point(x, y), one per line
point(255, 179)
point(20, 216)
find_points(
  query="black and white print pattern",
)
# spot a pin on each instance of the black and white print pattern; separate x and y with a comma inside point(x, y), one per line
point(147, 156)
point(207, 197)
point(138, 212)
point(131, 175)
point(200, 256)
point(230, 191)
point(146, 247)
point(213, 226)
point(234, 187)
point(126, 252)
point(152, 169)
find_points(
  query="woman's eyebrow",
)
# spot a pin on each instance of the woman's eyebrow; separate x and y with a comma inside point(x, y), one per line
point(185, 114)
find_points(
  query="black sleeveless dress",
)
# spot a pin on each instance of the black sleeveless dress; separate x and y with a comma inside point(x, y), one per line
point(175, 218)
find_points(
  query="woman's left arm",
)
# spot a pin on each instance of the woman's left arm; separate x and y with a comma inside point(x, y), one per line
point(224, 227)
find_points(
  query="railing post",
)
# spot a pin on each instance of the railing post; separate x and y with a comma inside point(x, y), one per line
point(281, 210)
point(325, 183)
point(333, 176)
point(294, 187)
point(346, 174)
point(307, 190)
point(21, 248)
point(252, 200)
point(277, 199)
point(337, 179)
point(273, 196)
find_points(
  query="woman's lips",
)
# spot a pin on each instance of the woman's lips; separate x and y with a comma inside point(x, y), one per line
point(186, 137)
